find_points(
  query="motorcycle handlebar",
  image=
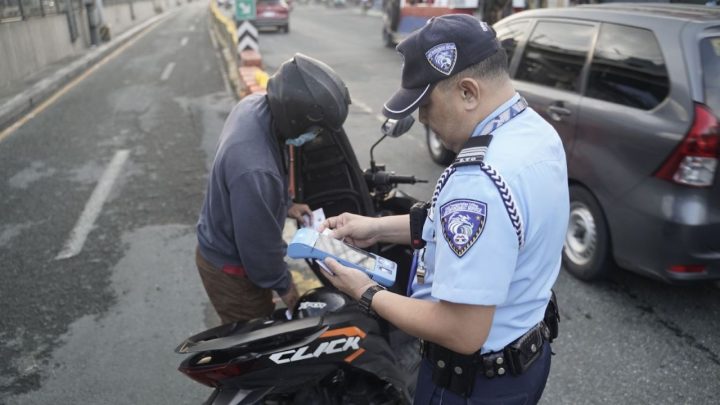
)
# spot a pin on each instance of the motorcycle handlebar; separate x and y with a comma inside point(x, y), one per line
point(383, 178)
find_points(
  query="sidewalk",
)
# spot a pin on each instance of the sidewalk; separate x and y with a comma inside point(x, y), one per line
point(22, 97)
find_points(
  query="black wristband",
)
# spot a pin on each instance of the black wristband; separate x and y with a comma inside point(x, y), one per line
point(366, 299)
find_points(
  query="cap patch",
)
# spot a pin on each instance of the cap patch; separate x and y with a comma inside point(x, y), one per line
point(442, 57)
point(462, 221)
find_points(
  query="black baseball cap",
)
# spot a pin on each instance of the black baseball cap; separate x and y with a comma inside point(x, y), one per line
point(444, 46)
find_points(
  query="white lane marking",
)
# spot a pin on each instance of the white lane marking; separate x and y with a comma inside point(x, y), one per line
point(359, 104)
point(85, 223)
point(366, 109)
point(184, 41)
point(168, 71)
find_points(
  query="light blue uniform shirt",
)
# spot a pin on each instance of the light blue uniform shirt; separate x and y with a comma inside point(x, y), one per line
point(527, 152)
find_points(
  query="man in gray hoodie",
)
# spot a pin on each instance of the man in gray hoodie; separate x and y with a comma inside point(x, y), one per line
point(240, 253)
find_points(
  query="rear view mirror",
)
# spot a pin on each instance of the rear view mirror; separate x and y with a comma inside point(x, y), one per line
point(394, 128)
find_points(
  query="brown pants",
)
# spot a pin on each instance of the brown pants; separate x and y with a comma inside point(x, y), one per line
point(234, 297)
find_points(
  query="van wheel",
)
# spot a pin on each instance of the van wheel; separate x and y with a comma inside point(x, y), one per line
point(286, 28)
point(586, 251)
point(438, 153)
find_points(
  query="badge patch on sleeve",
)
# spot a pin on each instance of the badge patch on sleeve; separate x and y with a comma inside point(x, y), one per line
point(463, 221)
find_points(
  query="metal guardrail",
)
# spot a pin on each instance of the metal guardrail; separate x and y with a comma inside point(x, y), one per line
point(16, 10)
point(19, 10)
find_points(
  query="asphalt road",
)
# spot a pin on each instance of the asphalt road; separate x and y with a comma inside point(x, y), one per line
point(100, 327)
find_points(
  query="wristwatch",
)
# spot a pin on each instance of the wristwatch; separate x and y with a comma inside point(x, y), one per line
point(366, 299)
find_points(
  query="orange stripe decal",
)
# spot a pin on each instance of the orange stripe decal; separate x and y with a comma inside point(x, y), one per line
point(353, 356)
point(349, 332)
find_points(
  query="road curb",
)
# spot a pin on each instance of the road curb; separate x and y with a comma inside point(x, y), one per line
point(20, 104)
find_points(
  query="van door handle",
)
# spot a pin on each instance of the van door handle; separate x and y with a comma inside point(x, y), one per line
point(557, 112)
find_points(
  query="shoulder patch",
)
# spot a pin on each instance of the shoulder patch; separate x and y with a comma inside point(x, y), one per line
point(462, 222)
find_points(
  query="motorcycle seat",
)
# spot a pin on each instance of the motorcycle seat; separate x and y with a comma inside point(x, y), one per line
point(254, 335)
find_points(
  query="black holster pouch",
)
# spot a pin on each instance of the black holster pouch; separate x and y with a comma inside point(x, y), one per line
point(552, 318)
point(452, 370)
point(456, 372)
point(522, 353)
point(418, 214)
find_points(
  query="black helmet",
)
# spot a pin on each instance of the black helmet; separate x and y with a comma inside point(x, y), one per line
point(305, 93)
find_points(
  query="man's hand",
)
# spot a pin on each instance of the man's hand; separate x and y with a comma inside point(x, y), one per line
point(354, 229)
point(296, 211)
point(351, 281)
point(290, 298)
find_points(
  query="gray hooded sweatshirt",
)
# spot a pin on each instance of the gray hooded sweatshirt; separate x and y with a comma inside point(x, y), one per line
point(246, 203)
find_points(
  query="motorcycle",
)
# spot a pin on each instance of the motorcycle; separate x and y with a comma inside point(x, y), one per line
point(328, 352)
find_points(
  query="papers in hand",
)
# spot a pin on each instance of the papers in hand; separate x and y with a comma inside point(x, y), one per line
point(318, 218)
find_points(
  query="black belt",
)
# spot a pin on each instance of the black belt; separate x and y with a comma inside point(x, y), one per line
point(456, 372)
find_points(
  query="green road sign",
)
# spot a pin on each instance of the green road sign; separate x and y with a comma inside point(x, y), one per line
point(244, 10)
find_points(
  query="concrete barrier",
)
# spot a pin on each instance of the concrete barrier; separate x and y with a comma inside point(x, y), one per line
point(250, 57)
point(245, 68)
point(225, 24)
point(254, 79)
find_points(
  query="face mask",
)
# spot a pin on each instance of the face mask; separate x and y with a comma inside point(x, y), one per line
point(304, 138)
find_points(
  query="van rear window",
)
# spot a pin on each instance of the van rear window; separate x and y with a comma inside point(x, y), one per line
point(710, 56)
point(628, 68)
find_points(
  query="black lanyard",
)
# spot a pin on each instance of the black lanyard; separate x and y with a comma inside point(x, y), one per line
point(473, 152)
point(476, 147)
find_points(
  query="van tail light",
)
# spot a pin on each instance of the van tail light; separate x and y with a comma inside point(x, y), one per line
point(695, 160)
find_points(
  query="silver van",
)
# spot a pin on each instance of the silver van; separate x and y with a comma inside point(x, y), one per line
point(634, 92)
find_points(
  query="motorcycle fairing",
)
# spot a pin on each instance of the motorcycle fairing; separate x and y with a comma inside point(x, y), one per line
point(253, 334)
point(376, 357)
point(328, 176)
point(279, 357)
